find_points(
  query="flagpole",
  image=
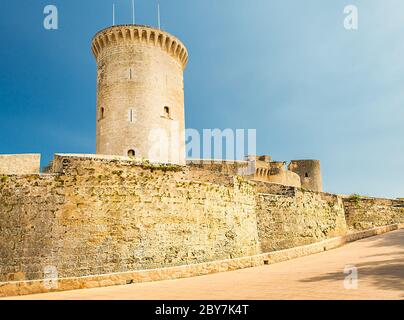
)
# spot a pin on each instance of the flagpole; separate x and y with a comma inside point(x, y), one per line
point(113, 14)
point(133, 12)
point(158, 14)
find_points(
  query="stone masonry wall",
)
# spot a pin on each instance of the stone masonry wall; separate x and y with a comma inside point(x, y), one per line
point(20, 163)
point(105, 214)
point(364, 213)
point(100, 216)
point(289, 217)
point(210, 170)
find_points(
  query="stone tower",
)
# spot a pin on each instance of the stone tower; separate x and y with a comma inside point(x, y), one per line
point(140, 93)
point(309, 172)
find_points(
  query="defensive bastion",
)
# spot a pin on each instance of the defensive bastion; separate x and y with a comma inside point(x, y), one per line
point(98, 215)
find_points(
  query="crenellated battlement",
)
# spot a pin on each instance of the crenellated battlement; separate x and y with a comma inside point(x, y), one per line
point(140, 34)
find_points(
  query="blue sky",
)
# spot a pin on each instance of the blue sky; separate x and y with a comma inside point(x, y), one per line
point(287, 68)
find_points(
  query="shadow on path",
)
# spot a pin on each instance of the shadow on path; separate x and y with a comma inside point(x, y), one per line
point(383, 270)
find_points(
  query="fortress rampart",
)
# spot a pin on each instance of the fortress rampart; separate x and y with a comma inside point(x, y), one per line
point(97, 215)
point(291, 217)
point(363, 212)
point(267, 170)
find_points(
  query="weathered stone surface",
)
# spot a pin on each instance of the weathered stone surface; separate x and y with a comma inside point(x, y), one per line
point(20, 163)
point(37, 286)
point(223, 167)
point(290, 217)
point(98, 216)
point(364, 213)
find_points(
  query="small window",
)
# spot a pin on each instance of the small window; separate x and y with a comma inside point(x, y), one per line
point(131, 116)
point(101, 115)
point(306, 175)
point(167, 112)
point(131, 153)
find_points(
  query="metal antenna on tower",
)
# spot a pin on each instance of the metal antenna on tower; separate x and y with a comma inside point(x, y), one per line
point(133, 12)
point(113, 14)
point(158, 14)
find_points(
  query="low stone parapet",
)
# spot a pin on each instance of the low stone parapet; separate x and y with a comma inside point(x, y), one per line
point(13, 164)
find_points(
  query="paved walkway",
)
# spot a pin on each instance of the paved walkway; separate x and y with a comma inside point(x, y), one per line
point(379, 260)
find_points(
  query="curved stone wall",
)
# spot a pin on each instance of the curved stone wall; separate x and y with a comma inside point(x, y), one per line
point(140, 93)
point(309, 172)
point(276, 172)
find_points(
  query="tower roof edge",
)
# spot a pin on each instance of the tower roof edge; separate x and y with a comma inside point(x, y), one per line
point(140, 33)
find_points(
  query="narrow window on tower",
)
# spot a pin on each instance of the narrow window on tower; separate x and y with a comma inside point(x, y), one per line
point(131, 116)
point(101, 115)
point(130, 74)
point(167, 112)
point(306, 175)
point(131, 153)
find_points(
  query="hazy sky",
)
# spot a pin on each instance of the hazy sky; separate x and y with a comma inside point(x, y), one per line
point(288, 68)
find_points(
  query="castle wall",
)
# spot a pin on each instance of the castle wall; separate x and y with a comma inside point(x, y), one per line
point(275, 172)
point(30, 236)
point(20, 163)
point(212, 169)
point(280, 176)
point(289, 217)
point(363, 213)
point(98, 216)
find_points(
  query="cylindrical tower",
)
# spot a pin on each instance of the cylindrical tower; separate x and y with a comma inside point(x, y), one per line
point(140, 93)
point(309, 172)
